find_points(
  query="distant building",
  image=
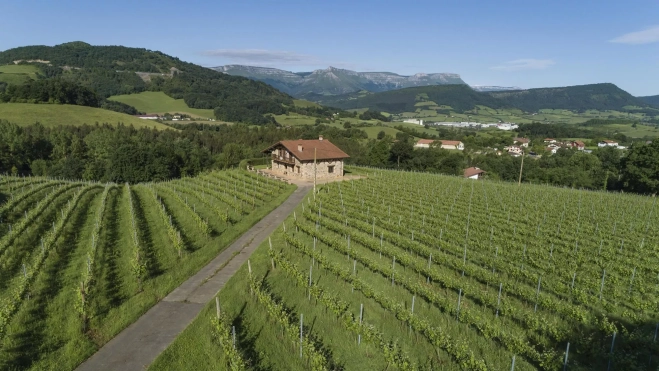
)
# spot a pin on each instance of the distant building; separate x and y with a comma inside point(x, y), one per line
point(304, 158)
point(414, 121)
point(553, 150)
point(607, 143)
point(446, 144)
point(523, 142)
point(148, 117)
point(550, 140)
point(473, 173)
point(579, 145)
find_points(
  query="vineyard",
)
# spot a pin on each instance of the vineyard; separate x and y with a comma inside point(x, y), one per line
point(81, 261)
point(423, 272)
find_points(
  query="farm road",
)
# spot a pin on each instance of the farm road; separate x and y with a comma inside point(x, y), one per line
point(137, 346)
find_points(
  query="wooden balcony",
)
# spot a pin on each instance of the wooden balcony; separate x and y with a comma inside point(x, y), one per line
point(282, 159)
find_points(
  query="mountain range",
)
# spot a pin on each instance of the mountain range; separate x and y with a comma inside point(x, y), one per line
point(335, 81)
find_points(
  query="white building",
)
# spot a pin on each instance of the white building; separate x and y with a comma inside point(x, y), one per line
point(414, 121)
point(446, 144)
point(473, 173)
point(607, 143)
point(523, 142)
point(148, 117)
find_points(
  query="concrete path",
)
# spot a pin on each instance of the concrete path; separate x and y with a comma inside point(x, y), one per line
point(137, 346)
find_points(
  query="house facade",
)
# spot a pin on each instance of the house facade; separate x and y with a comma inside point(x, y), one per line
point(307, 158)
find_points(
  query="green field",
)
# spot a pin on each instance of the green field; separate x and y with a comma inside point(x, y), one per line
point(82, 261)
point(159, 102)
point(62, 114)
point(17, 74)
point(452, 274)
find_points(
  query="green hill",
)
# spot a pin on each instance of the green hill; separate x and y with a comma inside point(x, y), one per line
point(461, 98)
point(62, 114)
point(159, 102)
point(580, 98)
point(115, 70)
point(652, 100)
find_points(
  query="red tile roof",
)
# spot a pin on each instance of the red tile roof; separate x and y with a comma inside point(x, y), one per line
point(325, 150)
point(450, 142)
point(579, 143)
point(425, 141)
point(521, 140)
point(472, 171)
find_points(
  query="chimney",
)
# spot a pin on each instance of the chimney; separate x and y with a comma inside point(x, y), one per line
point(299, 148)
point(320, 137)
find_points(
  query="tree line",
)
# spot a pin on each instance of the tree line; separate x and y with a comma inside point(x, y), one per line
point(125, 154)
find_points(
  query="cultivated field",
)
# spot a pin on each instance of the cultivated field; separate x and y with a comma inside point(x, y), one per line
point(81, 261)
point(159, 102)
point(63, 114)
point(417, 271)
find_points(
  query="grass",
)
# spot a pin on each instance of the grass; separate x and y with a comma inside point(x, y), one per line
point(159, 102)
point(47, 332)
point(304, 103)
point(58, 114)
point(16, 74)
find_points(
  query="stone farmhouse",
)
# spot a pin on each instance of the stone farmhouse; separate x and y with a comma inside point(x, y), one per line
point(302, 158)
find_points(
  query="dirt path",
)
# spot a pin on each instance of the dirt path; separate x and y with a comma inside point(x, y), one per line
point(137, 346)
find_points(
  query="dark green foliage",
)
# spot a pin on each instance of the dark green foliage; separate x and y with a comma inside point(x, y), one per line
point(641, 169)
point(373, 115)
point(113, 70)
point(54, 90)
point(120, 107)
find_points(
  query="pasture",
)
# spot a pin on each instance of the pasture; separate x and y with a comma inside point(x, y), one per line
point(159, 102)
point(63, 114)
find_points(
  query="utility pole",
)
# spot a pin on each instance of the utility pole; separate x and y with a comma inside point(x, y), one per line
point(314, 173)
point(519, 183)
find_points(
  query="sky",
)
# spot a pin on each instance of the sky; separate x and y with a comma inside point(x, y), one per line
point(526, 43)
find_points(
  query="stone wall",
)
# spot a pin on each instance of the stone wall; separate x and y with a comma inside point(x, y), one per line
point(305, 170)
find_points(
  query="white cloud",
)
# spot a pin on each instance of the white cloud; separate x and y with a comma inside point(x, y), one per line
point(263, 57)
point(524, 64)
point(647, 36)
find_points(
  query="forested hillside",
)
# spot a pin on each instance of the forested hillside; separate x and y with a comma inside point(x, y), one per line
point(652, 99)
point(580, 98)
point(113, 70)
point(461, 98)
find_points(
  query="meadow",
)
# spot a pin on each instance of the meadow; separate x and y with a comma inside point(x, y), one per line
point(63, 114)
point(17, 74)
point(418, 271)
point(160, 103)
point(81, 261)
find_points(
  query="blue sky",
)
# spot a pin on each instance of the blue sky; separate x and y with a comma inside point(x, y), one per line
point(511, 43)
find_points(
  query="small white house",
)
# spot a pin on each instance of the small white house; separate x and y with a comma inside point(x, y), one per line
point(522, 142)
point(414, 121)
point(607, 143)
point(473, 173)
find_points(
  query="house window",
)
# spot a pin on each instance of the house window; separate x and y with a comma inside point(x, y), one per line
point(298, 169)
point(330, 169)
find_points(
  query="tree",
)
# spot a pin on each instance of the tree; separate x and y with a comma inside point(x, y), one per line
point(347, 125)
point(381, 135)
point(640, 169)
